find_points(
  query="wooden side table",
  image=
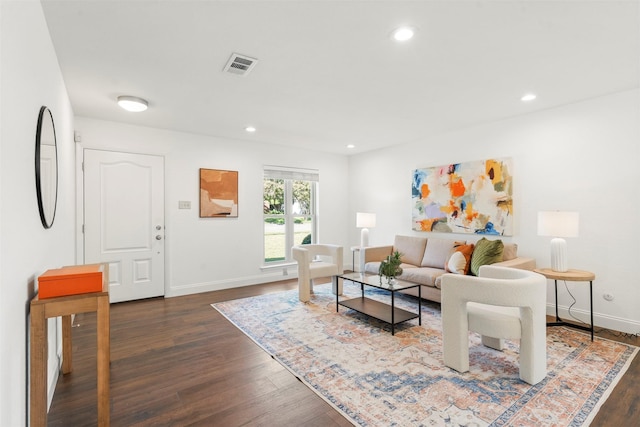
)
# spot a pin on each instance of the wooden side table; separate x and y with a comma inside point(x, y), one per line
point(571, 276)
point(65, 306)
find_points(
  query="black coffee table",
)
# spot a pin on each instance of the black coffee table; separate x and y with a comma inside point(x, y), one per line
point(386, 312)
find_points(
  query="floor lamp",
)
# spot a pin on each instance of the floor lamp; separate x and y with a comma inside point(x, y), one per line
point(365, 221)
point(558, 225)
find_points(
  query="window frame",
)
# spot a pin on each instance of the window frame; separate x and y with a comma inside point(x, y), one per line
point(289, 175)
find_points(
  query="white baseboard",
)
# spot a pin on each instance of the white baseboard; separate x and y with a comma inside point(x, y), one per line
point(195, 288)
point(53, 375)
point(600, 320)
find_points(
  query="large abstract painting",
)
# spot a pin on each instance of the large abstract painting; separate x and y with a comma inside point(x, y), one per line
point(218, 193)
point(472, 197)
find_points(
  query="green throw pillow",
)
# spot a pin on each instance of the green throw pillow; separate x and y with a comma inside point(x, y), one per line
point(486, 252)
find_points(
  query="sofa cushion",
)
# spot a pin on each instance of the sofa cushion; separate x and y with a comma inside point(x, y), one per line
point(411, 248)
point(510, 251)
point(373, 267)
point(467, 251)
point(425, 275)
point(486, 252)
point(437, 252)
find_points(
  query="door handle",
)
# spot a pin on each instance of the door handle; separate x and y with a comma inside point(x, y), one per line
point(158, 237)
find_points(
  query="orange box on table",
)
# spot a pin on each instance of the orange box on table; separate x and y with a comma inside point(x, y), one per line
point(72, 280)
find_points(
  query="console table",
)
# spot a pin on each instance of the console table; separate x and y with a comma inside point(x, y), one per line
point(570, 276)
point(65, 306)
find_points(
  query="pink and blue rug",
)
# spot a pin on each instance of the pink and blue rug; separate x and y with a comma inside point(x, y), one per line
point(376, 379)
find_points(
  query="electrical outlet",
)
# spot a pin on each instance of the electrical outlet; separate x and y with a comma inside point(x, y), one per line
point(607, 297)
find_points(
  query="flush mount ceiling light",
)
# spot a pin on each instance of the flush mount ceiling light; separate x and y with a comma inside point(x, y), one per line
point(528, 97)
point(403, 34)
point(132, 103)
point(351, 146)
point(250, 129)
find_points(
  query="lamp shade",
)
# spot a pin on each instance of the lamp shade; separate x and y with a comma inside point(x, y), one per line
point(365, 220)
point(558, 224)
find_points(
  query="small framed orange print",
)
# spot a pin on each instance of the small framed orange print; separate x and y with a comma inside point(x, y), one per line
point(218, 193)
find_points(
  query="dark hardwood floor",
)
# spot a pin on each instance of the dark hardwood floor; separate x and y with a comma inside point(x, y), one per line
point(177, 361)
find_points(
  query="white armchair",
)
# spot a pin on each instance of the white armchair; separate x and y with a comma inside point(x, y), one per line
point(314, 261)
point(501, 303)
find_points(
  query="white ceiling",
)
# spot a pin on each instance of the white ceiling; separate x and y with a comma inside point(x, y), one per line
point(329, 74)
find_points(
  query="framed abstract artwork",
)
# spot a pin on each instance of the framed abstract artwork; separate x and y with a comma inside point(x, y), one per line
point(472, 197)
point(218, 193)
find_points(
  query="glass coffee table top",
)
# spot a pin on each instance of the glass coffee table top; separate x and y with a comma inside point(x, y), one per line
point(378, 281)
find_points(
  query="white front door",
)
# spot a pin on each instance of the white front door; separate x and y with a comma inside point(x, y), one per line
point(124, 221)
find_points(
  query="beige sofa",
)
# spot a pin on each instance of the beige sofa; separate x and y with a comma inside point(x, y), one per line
point(424, 260)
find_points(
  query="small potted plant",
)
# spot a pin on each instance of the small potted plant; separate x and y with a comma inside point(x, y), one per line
point(390, 267)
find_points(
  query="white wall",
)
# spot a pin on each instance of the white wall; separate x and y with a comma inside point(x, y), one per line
point(582, 157)
point(30, 78)
point(204, 254)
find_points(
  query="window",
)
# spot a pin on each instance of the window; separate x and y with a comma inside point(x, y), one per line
point(289, 197)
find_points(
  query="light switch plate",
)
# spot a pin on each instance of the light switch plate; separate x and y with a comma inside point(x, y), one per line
point(184, 204)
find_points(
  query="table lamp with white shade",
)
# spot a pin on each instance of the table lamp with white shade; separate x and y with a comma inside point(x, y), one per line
point(365, 221)
point(558, 225)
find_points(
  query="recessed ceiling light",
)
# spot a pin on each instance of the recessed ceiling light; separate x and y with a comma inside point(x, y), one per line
point(250, 129)
point(351, 146)
point(403, 34)
point(132, 103)
point(528, 97)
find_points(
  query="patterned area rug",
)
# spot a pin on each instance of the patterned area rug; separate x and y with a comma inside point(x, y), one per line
point(376, 379)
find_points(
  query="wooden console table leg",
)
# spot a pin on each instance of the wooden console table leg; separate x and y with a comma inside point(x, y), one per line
point(38, 368)
point(67, 345)
point(103, 360)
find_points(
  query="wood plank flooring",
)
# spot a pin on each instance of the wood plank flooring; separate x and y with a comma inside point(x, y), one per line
point(177, 361)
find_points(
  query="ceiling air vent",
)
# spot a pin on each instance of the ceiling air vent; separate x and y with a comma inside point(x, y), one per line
point(240, 64)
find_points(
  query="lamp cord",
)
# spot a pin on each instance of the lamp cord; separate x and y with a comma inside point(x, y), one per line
point(572, 304)
point(614, 333)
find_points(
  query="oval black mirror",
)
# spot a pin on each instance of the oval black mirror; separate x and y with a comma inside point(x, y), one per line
point(46, 167)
